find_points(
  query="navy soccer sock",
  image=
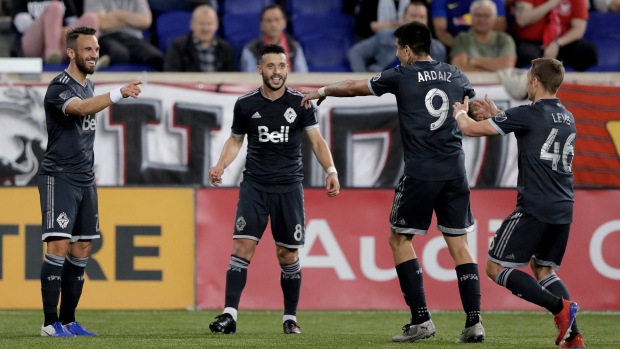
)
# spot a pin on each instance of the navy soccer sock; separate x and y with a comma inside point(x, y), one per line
point(236, 277)
point(290, 281)
point(412, 286)
point(51, 269)
point(469, 289)
point(524, 286)
point(72, 284)
point(554, 285)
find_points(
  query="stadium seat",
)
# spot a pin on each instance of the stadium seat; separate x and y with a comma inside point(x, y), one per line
point(327, 52)
point(171, 25)
point(304, 25)
point(315, 6)
point(236, 7)
point(240, 29)
point(603, 25)
point(608, 53)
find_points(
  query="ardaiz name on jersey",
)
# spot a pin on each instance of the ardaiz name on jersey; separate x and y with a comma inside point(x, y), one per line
point(276, 137)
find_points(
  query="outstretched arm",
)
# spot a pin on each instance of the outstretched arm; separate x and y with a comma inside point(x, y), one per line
point(324, 156)
point(468, 126)
point(346, 88)
point(229, 153)
point(82, 107)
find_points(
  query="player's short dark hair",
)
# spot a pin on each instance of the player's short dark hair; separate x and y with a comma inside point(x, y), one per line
point(549, 72)
point(270, 48)
point(271, 7)
point(73, 34)
point(416, 35)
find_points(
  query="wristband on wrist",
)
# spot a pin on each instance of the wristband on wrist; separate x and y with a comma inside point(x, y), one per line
point(330, 170)
point(321, 92)
point(458, 113)
point(116, 95)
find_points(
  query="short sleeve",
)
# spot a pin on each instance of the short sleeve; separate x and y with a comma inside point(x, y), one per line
point(507, 45)
point(438, 9)
point(310, 120)
point(238, 127)
point(60, 95)
point(460, 44)
point(142, 6)
point(580, 10)
point(512, 120)
point(468, 89)
point(93, 6)
point(384, 82)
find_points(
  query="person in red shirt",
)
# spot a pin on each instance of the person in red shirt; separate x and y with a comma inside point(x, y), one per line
point(553, 29)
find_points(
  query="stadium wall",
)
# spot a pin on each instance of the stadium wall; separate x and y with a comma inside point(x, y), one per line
point(168, 248)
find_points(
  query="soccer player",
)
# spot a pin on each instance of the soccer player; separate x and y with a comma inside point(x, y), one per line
point(67, 182)
point(434, 178)
point(536, 232)
point(273, 118)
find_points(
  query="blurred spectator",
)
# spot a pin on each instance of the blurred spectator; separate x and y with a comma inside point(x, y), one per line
point(376, 15)
point(200, 50)
point(453, 17)
point(377, 52)
point(272, 25)
point(481, 48)
point(43, 25)
point(122, 23)
point(554, 29)
point(606, 5)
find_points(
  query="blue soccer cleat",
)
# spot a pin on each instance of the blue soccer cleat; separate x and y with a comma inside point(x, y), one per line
point(55, 330)
point(77, 329)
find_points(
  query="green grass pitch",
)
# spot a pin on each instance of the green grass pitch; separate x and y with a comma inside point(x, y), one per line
point(321, 329)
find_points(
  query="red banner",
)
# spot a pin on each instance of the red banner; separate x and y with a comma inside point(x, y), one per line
point(347, 263)
point(597, 149)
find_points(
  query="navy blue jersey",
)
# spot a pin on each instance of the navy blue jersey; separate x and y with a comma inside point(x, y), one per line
point(274, 130)
point(545, 133)
point(69, 154)
point(425, 92)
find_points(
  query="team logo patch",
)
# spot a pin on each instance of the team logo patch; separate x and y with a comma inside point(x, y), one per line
point(65, 95)
point(290, 115)
point(240, 224)
point(501, 117)
point(62, 220)
point(376, 77)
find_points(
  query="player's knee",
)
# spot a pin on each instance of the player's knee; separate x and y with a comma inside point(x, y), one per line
point(492, 269)
point(244, 248)
point(286, 255)
point(397, 241)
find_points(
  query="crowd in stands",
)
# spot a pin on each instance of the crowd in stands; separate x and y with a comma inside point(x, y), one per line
point(318, 35)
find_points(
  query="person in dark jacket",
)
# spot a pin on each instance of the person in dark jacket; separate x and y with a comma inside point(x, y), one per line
point(201, 50)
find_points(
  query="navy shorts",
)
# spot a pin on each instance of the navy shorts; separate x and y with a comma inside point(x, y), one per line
point(522, 237)
point(285, 209)
point(68, 211)
point(415, 201)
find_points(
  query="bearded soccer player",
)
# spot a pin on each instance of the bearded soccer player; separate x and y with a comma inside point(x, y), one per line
point(273, 118)
point(434, 178)
point(536, 232)
point(67, 189)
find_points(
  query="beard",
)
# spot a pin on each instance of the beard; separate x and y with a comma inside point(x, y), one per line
point(81, 64)
point(267, 81)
